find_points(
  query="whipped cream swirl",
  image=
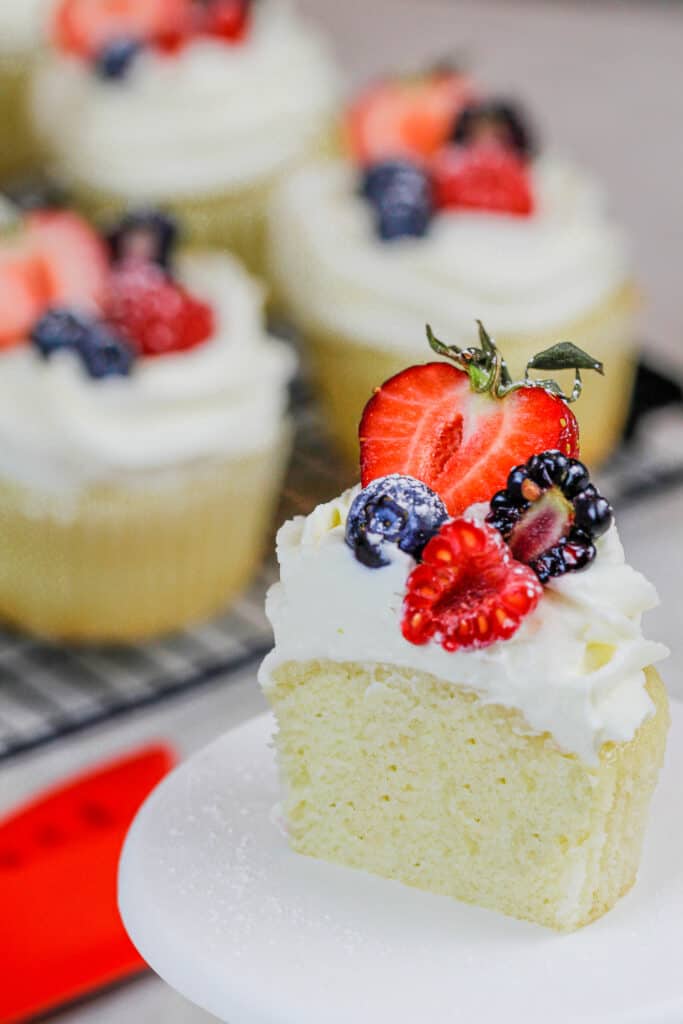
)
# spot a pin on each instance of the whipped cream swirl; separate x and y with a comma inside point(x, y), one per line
point(62, 431)
point(574, 669)
point(22, 25)
point(211, 117)
point(519, 275)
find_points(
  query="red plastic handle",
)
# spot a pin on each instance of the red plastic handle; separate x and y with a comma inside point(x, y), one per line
point(61, 935)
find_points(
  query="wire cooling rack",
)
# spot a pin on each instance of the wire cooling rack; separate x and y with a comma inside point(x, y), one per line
point(48, 692)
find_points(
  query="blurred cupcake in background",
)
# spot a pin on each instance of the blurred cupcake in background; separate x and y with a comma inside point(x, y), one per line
point(22, 24)
point(446, 210)
point(143, 429)
point(199, 104)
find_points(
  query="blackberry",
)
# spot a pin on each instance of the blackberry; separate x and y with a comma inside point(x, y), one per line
point(144, 236)
point(550, 514)
point(402, 196)
point(115, 60)
point(393, 509)
point(499, 120)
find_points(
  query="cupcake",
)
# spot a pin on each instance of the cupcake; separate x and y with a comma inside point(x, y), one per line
point(21, 35)
point(143, 430)
point(200, 105)
point(465, 699)
point(446, 208)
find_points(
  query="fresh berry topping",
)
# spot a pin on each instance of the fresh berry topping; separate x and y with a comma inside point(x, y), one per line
point(22, 296)
point(224, 19)
point(550, 514)
point(401, 194)
point(485, 177)
point(60, 329)
point(393, 510)
point(115, 59)
point(102, 352)
point(468, 591)
point(406, 118)
point(497, 121)
point(144, 236)
point(73, 258)
point(154, 313)
point(427, 422)
point(105, 353)
point(86, 27)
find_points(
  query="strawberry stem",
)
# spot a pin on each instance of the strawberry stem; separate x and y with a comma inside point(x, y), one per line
point(489, 374)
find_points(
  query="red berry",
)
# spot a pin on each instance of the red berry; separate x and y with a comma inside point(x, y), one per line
point(156, 314)
point(427, 422)
point(485, 177)
point(225, 19)
point(406, 118)
point(84, 27)
point(73, 258)
point(468, 591)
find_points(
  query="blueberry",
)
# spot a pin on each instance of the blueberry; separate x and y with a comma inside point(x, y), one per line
point(396, 510)
point(59, 329)
point(145, 235)
point(114, 60)
point(105, 353)
point(401, 194)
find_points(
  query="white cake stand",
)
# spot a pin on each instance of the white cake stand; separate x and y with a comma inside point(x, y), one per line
point(223, 910)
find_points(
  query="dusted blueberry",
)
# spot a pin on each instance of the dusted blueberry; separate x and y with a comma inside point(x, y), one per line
point(106, 354)
point(59, 329)
point(402, 196)
point(550, 514)
point(144, 236)
point(396, 510)
point(115, 59)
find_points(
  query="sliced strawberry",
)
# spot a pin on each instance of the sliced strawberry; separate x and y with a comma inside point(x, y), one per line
point(21, 298)
point(410, 118)
point(427, 422)
point(84, 27)
point(485, 177)
point(72, 256)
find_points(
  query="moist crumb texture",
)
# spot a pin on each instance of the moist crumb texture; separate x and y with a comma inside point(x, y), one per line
point(413, 778)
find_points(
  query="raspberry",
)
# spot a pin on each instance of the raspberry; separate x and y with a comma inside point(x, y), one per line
point(469, 591)
point(225, 19)
point(156, 314)
point(484, 177)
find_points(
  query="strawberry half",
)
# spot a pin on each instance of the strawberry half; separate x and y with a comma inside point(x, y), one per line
point(22, 299)
point(72, 257)
point(428, 422)
point(84, 27)
point(406, 118)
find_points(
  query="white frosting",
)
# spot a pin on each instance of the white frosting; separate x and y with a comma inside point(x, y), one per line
point(22, 24)
point(328, 605)
point(517, 274)
point(59, 429)
point(210, 117)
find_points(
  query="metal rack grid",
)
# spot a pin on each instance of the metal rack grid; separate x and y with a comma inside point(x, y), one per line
point(48, 692)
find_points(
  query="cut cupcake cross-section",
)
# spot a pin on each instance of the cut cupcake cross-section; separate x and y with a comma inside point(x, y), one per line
point(471, 707)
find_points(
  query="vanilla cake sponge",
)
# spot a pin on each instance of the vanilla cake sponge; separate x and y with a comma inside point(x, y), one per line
point(408, 776)
point(456, 718)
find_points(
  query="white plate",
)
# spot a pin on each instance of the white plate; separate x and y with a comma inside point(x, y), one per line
point(223, 910)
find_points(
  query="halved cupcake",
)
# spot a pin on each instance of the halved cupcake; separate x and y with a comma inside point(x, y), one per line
point(201, 105)
point(143, 430)
point(446, 209)
point(464, 695)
